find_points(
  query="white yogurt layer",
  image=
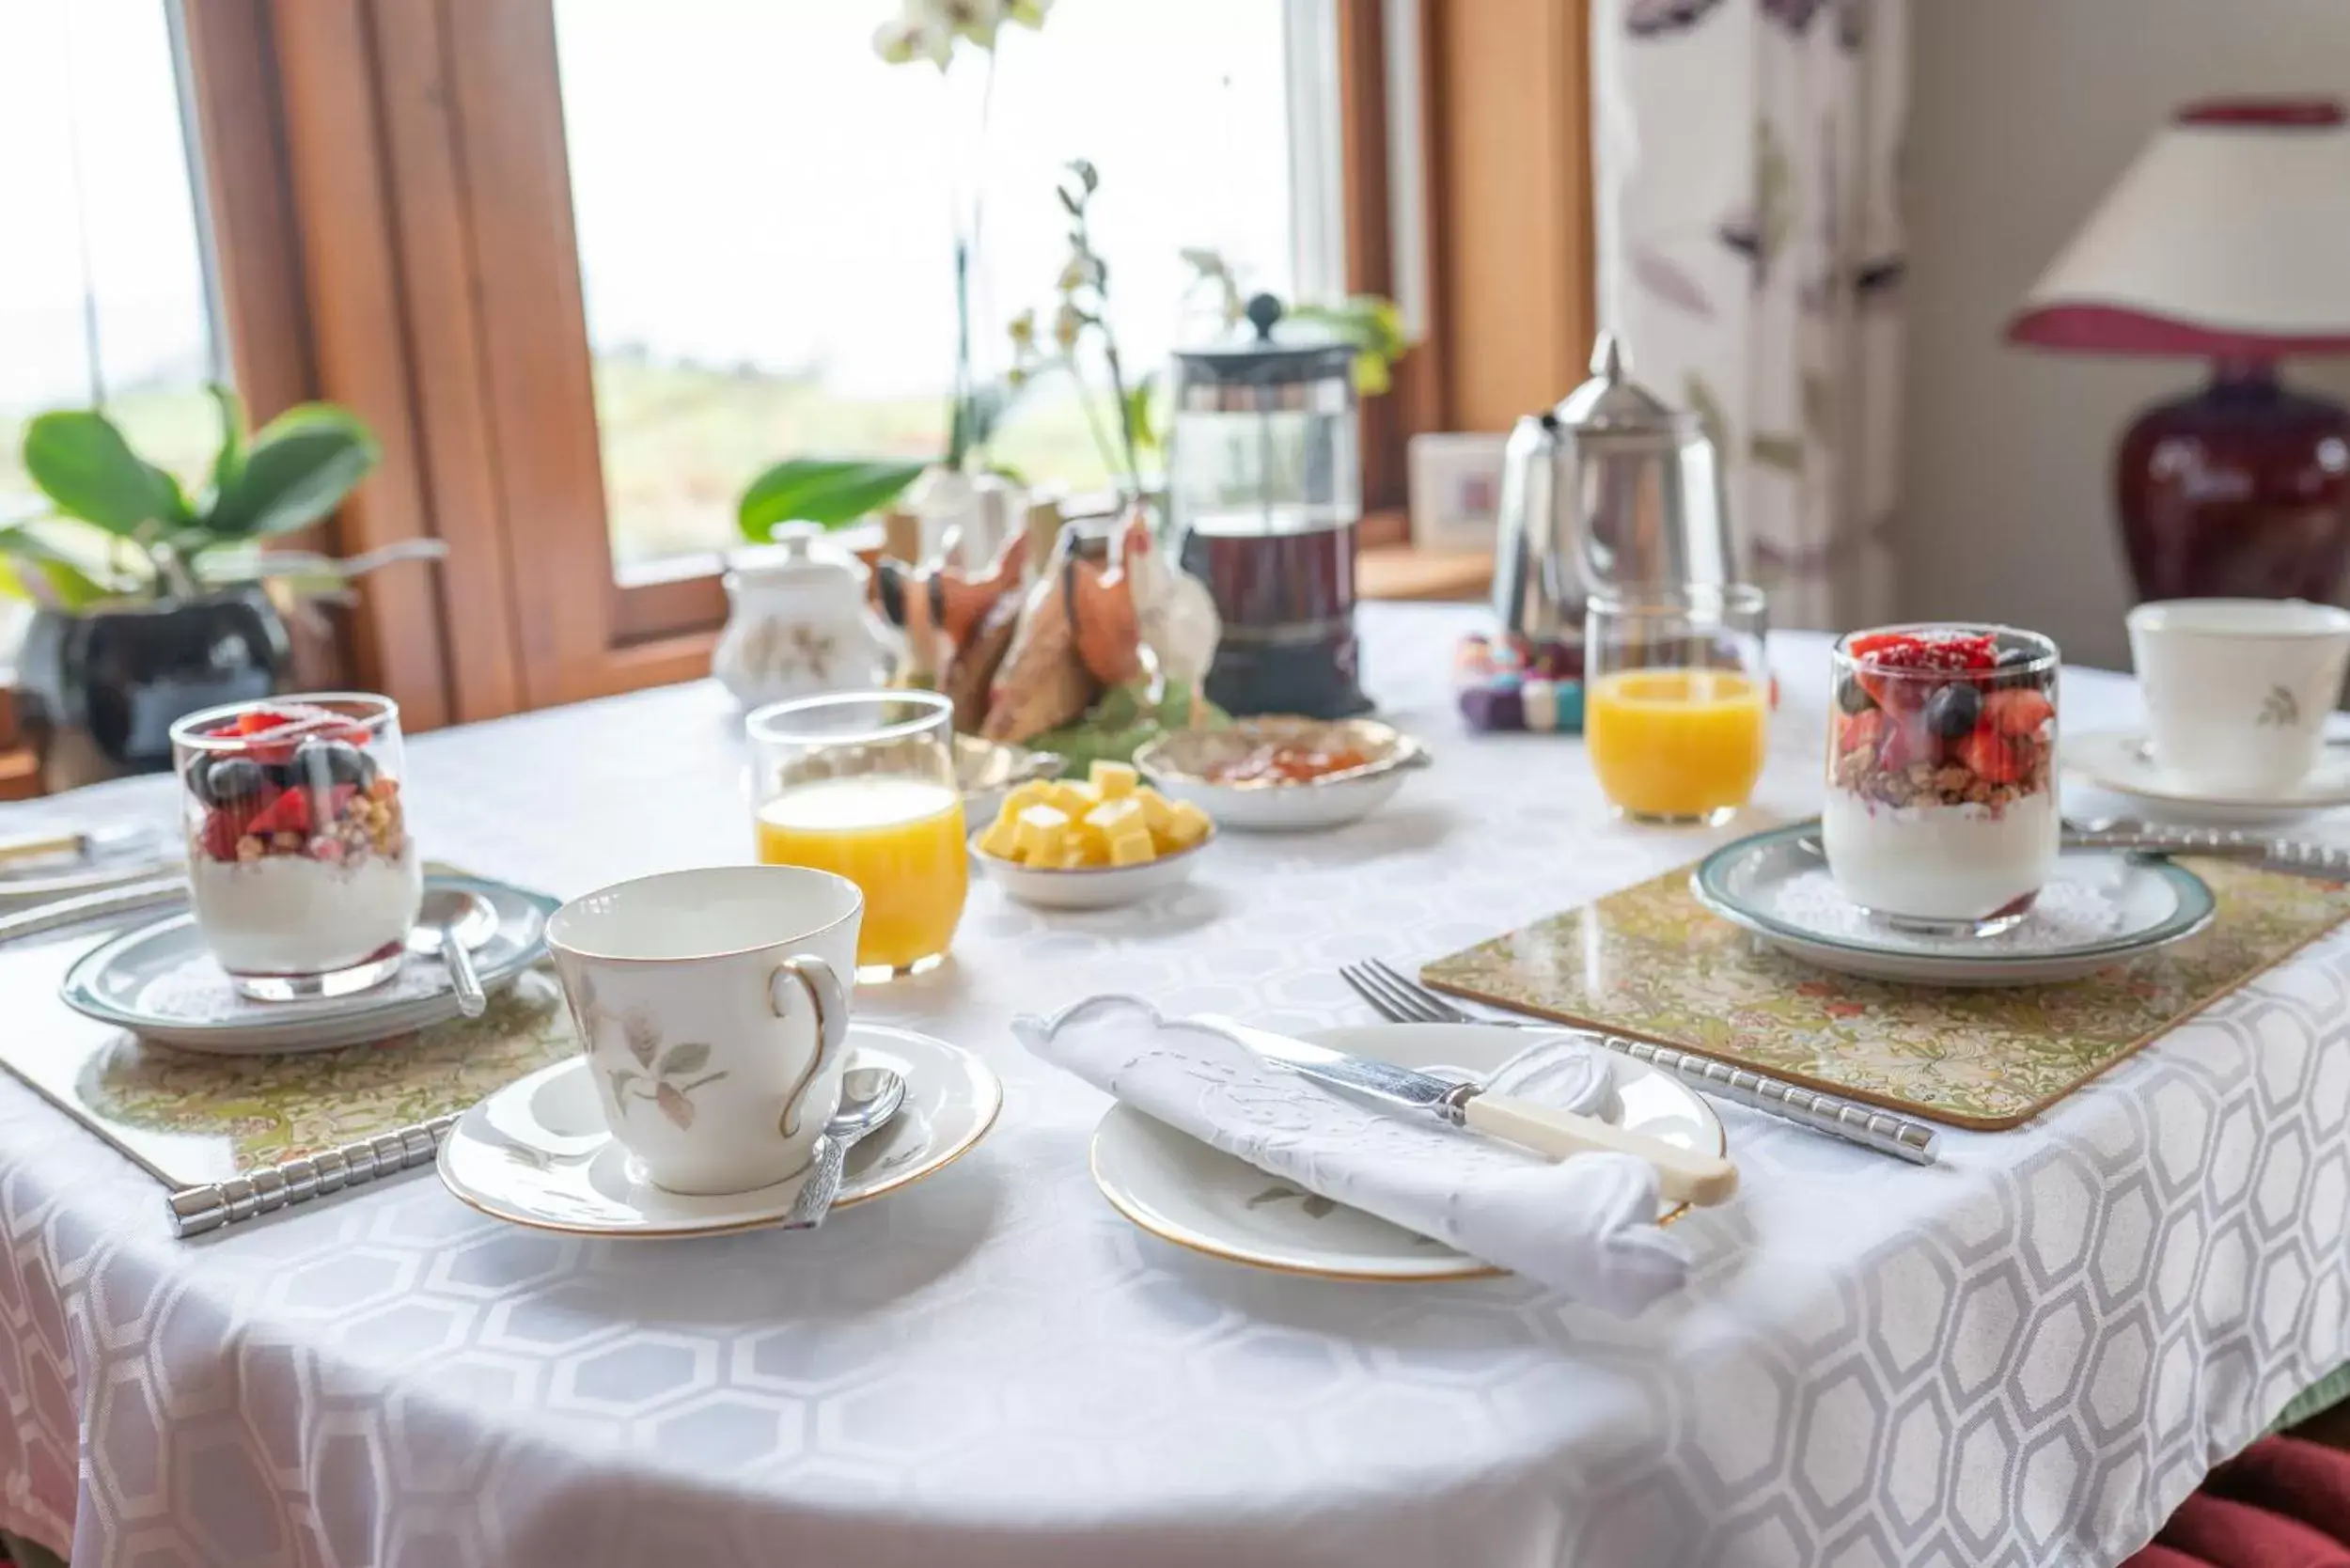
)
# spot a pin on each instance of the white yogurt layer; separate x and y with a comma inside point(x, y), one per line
point(1940, 862)
point(289, 915)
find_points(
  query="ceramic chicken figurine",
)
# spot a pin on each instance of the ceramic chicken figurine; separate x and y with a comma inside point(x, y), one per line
point(951, 640)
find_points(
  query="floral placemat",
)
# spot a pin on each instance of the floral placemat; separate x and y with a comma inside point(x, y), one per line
point(1650, 962)
point(190, 1119)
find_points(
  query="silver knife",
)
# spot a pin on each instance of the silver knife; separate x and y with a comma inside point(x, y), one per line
point(61, 913)
point(1682, 1175)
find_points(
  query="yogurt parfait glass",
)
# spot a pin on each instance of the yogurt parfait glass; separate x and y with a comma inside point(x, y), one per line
point(1941, 810)
point(302, 875)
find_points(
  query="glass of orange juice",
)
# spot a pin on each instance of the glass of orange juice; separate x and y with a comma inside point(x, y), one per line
point(863, 785)
point(1676, 701)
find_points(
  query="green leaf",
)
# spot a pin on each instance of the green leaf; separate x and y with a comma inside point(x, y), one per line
point(1138, 413)
point(691, 1057)
point(87, 470)
point(1712, 417)
point(1782, 453)
point(33, 569)
point(834, 492)
point(229, 461)
point(299, 468)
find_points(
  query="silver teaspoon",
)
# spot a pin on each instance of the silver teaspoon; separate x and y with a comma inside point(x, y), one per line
point(869, 1096)
point(452, 923)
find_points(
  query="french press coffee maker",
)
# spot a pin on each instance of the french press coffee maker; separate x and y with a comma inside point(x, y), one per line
point(1265, 491)
point(1611, 490)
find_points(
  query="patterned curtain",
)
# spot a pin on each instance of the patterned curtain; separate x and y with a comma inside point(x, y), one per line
point(1749, 162)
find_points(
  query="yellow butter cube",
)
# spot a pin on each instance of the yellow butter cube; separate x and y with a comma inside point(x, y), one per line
point(1186, 825)
point(1113, 817)
point(1075, 855)
point(1115, 780)
point(1067, 795)
point(1040, 835)
point(1034, 793)
point(1133, 848)
point(1156, 812)
point(1002, 838)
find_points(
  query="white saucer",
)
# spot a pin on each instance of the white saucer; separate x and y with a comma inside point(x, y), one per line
point(536, 1152)
point(1181, 1190)
point(2122, 760)
point(2154, 903)
point(159, 981)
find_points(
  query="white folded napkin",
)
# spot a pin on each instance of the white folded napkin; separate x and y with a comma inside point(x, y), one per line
point(1586, 1226)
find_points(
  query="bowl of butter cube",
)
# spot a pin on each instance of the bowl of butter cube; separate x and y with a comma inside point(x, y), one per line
point(1095, 843)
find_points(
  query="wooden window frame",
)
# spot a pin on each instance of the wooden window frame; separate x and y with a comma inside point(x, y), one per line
point(389, 184)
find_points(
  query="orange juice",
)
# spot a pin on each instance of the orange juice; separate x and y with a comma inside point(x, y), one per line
point(1675, 743)
point(900, 840)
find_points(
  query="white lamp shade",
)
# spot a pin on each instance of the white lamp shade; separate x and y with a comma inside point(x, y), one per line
point(2230, 236)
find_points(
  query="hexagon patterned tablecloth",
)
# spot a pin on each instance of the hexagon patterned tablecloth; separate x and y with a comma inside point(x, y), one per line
point(2025, 1354)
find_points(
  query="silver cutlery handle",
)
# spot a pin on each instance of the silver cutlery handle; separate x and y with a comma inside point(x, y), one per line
point(2302, 856)
point(60, 914)
point(471, 1000)
point(813, 1201)
point(1882, 1131)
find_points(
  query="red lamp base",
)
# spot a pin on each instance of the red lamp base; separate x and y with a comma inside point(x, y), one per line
point(2241, 491)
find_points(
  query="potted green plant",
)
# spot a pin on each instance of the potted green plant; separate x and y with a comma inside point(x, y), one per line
point(151, 603)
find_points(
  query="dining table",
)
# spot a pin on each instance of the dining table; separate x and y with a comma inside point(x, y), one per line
point(2025, 1353)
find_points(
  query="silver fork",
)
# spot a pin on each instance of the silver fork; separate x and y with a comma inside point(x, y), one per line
point(1408, 1001)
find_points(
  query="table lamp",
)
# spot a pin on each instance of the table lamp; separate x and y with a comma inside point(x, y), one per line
point(2228, 240)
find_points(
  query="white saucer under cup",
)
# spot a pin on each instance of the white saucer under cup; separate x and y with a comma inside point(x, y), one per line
point(2237, 690)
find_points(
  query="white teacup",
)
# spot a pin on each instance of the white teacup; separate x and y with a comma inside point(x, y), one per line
point(2237, 690)
point(712, 1007)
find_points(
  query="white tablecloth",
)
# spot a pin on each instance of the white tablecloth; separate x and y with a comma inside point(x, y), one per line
point(2027, 1355)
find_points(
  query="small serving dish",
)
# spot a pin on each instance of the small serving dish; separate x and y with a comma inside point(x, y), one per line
point(986, 771)
point(1194, 765)
point(1091, 886)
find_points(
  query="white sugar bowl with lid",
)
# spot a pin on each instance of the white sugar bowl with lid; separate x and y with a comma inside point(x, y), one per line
point(799, 623)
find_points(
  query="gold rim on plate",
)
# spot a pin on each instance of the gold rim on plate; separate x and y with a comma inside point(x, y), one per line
point(917, 1173)
point(1208, 1246)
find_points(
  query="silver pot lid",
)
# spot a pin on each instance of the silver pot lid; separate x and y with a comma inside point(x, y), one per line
point(1611, 403)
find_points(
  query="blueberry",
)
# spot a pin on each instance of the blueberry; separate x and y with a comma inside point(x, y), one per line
point(1852, 697)
point(2007, 670)
point(322, 763)
point(228, 778)
point(1952, 711)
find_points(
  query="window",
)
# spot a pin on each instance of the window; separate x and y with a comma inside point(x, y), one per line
point(104, 293)
point(586, 265)
point(763, 216)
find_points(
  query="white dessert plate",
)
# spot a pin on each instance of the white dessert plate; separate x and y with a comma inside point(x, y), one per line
point(1178, 767)
point(2150, 903)
point(1091, 886)
point(1181, 1190)
point(2122, 760)
point(536, 1151)
point(159, 981)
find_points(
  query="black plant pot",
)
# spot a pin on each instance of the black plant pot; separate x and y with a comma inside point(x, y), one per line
point(122, 676)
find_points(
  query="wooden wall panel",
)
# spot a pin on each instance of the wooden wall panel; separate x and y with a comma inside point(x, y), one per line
point(437, 263)
point(358, 334)
point(1511, 203)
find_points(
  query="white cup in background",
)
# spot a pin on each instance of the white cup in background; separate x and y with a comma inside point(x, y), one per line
point(712, 1007)
point(2237, 690)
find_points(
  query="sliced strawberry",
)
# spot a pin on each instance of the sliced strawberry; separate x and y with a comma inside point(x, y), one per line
point(2017, 712)
point(1860, 648)
point(1906, 741)
point(1860, 729)
point(222, 829)
point(289, 813)
point(1990, 757)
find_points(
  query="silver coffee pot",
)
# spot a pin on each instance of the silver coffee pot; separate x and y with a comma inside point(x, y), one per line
point(1610, 489)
